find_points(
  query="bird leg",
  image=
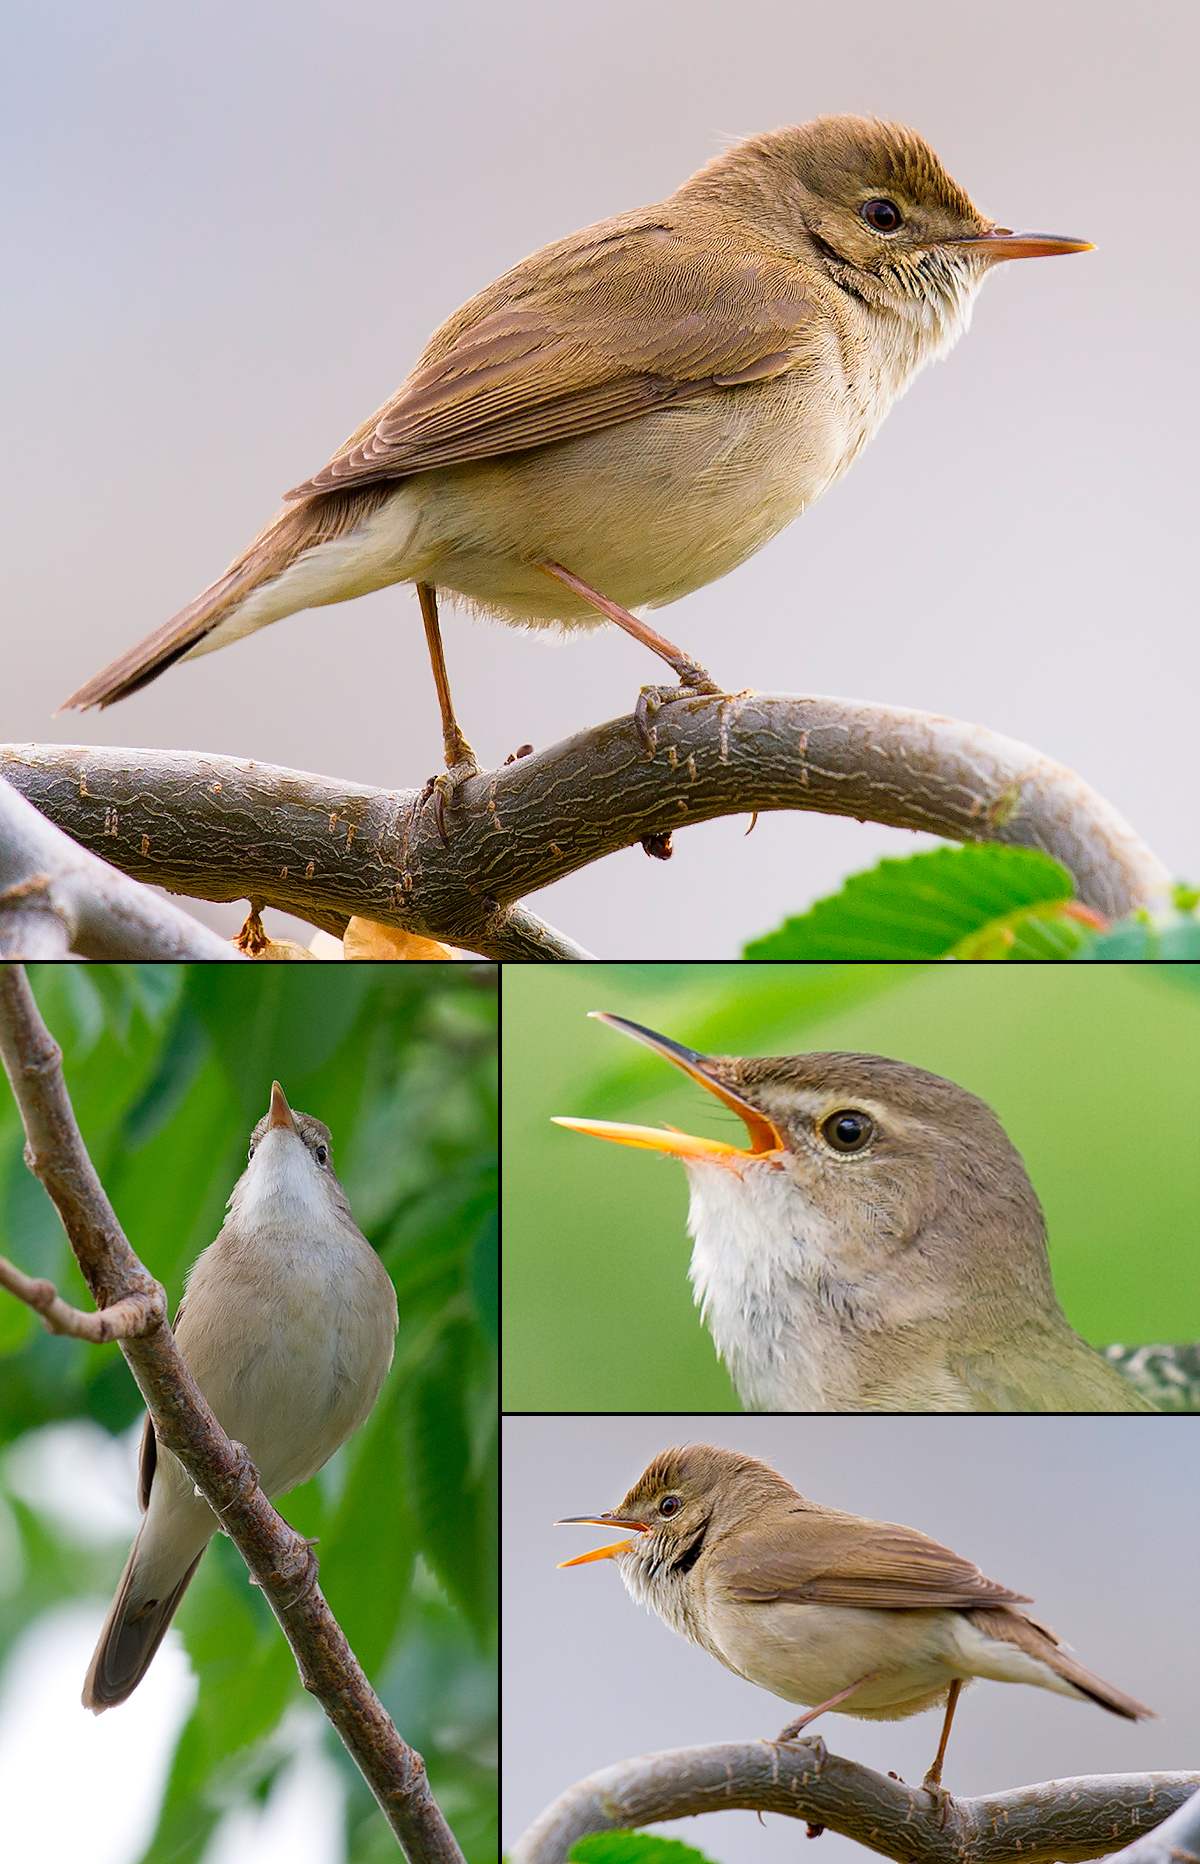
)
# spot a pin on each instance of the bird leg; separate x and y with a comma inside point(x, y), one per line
point(460, 758)
point(793, 1728)
point(933, 1779)
point(692, 677)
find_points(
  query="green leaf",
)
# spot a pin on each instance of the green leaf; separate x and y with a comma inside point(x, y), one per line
point(921, 907)
point(633, 1848)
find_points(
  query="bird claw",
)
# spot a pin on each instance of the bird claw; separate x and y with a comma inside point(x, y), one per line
point(443, 789)
point(942, 1800)
point(694, 683)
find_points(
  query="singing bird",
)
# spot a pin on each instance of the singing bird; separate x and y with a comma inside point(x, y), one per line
point(877, 1246)
point(632, 411)
point(822, 1608)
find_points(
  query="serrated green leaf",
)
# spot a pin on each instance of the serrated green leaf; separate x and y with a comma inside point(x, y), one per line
point(633, 1848)
point(1173, 938)
point(920, 907)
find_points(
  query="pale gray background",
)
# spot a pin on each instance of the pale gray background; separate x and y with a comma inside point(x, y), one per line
point(228, 229)
point(1096, 1518)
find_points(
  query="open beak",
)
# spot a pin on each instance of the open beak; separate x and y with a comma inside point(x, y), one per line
point(1003, 243)
point(764, 1136)
point(600, 1553)
point(281, 1113)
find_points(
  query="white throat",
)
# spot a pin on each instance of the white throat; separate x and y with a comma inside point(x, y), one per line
point(766, 1279)
point(282, 1186)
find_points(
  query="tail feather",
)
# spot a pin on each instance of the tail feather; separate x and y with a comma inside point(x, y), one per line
point(1039, 1641)
point(290, 533)
point(129, 1641)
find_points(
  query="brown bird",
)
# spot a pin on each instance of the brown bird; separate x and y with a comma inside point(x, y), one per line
point(633, 411)
point(877, 1246)
point(824, 1608)
point(287, 1326)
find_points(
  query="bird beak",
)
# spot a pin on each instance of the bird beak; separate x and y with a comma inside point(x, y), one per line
point(1003, 243)
point(281, 1113)
point(764, 1136)
point(599, 1553)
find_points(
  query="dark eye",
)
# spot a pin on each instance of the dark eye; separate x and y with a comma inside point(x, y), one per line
point(670, 1504)
point(848, 1131)
point(250, 1154)
point(322, 1155)
point(884, 216)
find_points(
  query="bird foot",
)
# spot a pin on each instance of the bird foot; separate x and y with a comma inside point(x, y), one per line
point(443, 789)
point(942, 1800)
point(694, 683)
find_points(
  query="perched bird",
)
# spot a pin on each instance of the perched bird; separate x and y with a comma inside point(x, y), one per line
point(287, 1326)
point(876, 1247)
point(632, 411)
point(826, 1609)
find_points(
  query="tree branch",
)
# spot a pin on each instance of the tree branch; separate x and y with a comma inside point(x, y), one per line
point(280, 1559)
point(55, 899)
point(225, 828)
point(1058, 1822)
point(1175, 1841)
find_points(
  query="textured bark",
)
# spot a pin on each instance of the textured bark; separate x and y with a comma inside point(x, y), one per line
point(1058, 1822)
point(56, 899)
point(225, 828)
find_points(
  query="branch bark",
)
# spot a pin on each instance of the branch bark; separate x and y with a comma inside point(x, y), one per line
point(1057, 1822)
point(226, 828)
point(280, 1559)
point(56, 898)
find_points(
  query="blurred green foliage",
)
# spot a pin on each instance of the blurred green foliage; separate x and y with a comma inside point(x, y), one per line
point(1093, 1069)
point(169, 1067)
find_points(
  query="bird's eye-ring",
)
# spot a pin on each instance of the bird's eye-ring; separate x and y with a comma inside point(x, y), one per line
point(848, 1130)
point(884, 216)
point(322, 1155)
point(670, 1505)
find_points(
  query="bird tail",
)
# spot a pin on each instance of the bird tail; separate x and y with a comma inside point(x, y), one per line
point(292, 531)
point(1037, 1640)
point(130, 1639)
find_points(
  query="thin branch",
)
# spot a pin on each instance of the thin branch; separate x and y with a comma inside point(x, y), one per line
point(55, 899)
point(280, 1559)
point(225, 828)
point(1058, 1822)
point(127, 1320)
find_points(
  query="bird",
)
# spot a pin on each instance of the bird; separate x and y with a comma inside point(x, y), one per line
point(287, 1325)
point(630, 412)
point(877, 1246)
point(822, 1608)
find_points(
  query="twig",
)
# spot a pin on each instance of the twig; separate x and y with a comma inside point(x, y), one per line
point(126, 1320)
point(224, 828)
point(55, 898)
point(1058, 1822)
point(280, 1559)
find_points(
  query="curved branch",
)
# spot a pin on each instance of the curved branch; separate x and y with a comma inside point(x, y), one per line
point(56, 898)
point(1175, 1841)
point(1060, 1820)
point(280, 1559)
point(225, 828)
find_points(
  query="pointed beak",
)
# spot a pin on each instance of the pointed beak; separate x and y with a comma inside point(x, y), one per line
point(599, 1553)
point(764, 1136)
point(281, 1113)
point(1003, 243)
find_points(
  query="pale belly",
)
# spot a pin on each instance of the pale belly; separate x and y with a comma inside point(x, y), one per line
point(807, 1653)
point(644, 512)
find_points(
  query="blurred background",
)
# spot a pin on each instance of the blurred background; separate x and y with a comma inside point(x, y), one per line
point(1092, 1070)
point(220, 1755)
point(229, 230)
point(1092, 1516)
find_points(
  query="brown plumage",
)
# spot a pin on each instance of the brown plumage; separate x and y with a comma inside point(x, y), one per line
point(644, 403)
